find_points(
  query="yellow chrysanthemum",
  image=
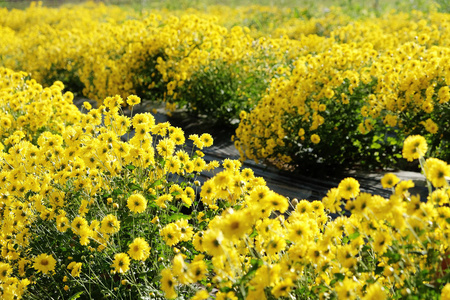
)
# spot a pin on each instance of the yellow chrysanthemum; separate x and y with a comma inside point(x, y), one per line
point(415, 146)
point(315, 138)
point(5, 270)
point(283, 288)
point(389, 180)
point(168, 283)
point(436, 170)
point(137, 203)
point(139, 249)
point(348, 188)
point(75, 268)
point(110, 224)
point(121, 263)
point(445, 293)
point(44, 263)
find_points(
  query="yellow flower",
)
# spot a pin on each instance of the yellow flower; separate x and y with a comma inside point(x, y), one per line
point(170, 234)
point(76, 268)
point(44, 263)
point(62, 223)
point(137, 203)
point(161, 201)
point(165, 147)
point(346, 256)
point(226, 296)
point(315, 138)
point(201, 295)
point(110, 224)
point(222, 179)
point(121, 263)
point(87, 105)
point(403, 187)
point(346, 289)
point(415, 146)
point(177, 136)
point(298, 231)
point(168, 283)
point(445, 293)
point(436, 170)
point(197, 141)
point(276, 202)
point(186, 231)
point(207, 139)
point(139, 249)
point(235, 225)
point(197, 270)
point(5, 122)
point(348, 188)
point(283, 288)
point(78, 223)
point(430, 126)
point(132, 100)
point(381, 242)
point(389, 180)
point(375, 292)
point(5, 270)
point(212, 242)
point(332, 201)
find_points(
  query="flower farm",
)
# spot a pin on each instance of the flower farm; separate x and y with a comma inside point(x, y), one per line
point(100, 203)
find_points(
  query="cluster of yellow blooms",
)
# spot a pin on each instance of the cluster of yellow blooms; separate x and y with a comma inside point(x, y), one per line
point(373, 254)
point(81, 207)
point(292, 76)
point(107, 50)
point(57, 165)
point(88, 208)
point(380, 74)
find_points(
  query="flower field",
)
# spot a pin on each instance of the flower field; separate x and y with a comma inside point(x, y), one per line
point(99, 204)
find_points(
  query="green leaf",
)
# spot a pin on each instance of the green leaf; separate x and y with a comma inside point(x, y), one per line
point(337, 277)
point(253, 234)
point(135, 187)
point(156, 183)
point(178, 216)
point(117, 192)
point(76, 296)
point(354, 235)
point(375, 146)
point(256, 264)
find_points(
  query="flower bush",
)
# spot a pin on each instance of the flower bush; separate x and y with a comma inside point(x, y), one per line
point(371, 88)
point(80, 207)
point(286, 75)
point(86, 214)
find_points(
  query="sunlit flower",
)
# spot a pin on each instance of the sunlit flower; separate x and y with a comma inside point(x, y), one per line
point(389, 180)
point(168, 283)
point(121, 263)
point(44, 263)
point(110, 224)
point(348, 188)
point(415, 146)
point(137, 203)
point(139, 249)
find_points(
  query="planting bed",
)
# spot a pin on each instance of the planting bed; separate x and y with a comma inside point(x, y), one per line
point(227, 153)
